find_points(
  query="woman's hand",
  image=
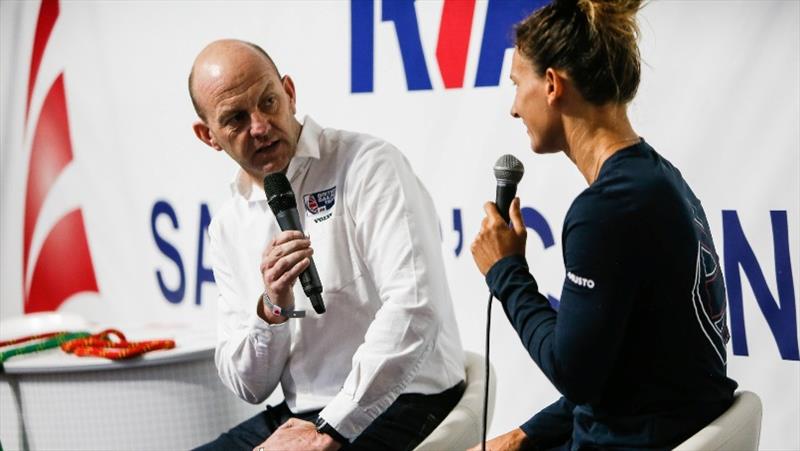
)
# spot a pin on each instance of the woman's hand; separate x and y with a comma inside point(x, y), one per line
point(510, 441)
point(496, 240)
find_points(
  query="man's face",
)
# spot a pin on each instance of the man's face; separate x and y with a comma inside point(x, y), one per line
point(249, 111)
point(531, 105)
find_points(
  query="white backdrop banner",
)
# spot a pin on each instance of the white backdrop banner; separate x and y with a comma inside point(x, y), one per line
point(107, 195)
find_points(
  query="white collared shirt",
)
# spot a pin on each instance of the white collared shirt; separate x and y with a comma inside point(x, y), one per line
point(389, 327)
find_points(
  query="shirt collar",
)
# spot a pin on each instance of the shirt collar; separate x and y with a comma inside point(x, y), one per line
point(307, 150)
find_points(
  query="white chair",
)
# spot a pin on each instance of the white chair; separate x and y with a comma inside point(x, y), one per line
point(463, 427)
point(738, 429)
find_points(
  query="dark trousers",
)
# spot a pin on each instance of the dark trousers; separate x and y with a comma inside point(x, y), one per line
point(406, 422)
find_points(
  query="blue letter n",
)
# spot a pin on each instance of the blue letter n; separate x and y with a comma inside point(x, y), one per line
point(780, 316)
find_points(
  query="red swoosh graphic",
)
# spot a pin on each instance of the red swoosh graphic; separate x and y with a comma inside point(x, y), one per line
point(453, 41)
point(64, 266)
point(48, 13)
point(50, 153)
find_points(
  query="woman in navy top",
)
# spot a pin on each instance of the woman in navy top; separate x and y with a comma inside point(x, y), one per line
point(637, 346)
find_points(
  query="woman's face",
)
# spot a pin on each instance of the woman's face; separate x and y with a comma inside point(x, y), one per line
point(533, 104)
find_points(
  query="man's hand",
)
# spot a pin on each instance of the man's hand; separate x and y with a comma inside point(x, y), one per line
point(285, 257)
point(496, 240)
point(298, 435)
point(510, 441)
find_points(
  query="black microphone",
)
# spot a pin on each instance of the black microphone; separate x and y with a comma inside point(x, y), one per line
point(283, 204)
point(508, 171)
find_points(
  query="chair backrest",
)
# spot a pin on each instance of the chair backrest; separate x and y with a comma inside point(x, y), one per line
point(739, 428)
point(462, 428)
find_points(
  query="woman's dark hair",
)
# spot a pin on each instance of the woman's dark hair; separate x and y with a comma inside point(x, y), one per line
point(594, 41)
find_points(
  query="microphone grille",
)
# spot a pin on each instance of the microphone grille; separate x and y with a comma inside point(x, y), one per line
point(279, 192)
point(508, 169)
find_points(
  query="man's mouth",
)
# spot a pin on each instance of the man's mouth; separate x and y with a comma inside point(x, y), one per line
point(269, 146)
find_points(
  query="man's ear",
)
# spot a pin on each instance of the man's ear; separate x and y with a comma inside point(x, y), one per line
point(203, 133)
point(554, 85)
point(288, 86)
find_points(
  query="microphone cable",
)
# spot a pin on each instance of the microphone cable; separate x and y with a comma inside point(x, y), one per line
point(487, 368)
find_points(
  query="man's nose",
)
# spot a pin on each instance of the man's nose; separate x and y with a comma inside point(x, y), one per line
point(259, 124)
point(514, 110)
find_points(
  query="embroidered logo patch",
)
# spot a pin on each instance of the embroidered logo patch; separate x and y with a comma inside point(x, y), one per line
point(580, 281)
point(320, 201)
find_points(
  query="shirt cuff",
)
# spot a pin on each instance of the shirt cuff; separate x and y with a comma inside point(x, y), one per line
point(347, 417)
point(264, 333)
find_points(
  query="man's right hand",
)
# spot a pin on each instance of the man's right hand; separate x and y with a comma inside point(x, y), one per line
point(284, 258)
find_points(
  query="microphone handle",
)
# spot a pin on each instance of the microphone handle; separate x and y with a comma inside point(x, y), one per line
point(505, 194)
point(309, 278)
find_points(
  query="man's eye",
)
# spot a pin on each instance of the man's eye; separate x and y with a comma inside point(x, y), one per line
point(236, 118)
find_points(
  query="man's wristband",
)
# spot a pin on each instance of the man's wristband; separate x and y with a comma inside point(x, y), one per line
point(279, 311)
point(324, 428)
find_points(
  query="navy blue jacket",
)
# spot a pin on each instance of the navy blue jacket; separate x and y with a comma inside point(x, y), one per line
point(637, 346)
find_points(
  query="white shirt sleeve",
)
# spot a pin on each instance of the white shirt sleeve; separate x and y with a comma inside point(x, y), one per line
point(397, 240)
point(250, 353)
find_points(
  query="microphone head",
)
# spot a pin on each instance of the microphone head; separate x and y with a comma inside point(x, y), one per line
point(508, 169)
point(279, 192)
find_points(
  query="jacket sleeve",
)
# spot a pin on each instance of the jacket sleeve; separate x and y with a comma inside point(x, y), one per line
point(552, 426)
point(250, 353)
point(576, 346)
point(397, 240)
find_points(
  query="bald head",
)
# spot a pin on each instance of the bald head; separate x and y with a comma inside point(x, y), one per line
point(221, 56)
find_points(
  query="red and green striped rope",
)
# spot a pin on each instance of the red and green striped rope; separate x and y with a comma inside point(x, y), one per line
point(101, 345)
point(85, 344)
point(57, 340)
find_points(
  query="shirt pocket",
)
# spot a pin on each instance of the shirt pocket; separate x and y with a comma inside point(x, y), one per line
point(335, 261)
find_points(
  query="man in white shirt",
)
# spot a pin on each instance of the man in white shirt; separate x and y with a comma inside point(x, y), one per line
point(384, 365)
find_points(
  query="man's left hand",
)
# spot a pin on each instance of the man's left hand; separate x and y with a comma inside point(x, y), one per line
point(496, 240)
point(298, 435)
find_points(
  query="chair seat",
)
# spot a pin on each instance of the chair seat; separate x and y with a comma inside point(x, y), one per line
point(739, 428)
